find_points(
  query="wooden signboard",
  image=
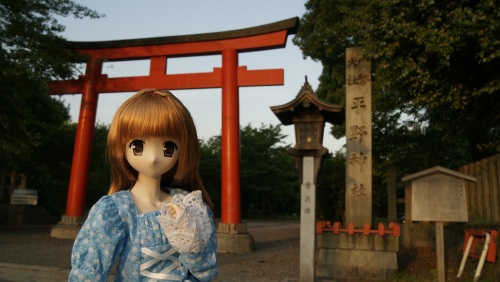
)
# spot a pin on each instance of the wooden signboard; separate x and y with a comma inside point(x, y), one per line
point(438, 195)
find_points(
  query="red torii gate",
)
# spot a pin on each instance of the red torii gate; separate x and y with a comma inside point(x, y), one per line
point(229, 78)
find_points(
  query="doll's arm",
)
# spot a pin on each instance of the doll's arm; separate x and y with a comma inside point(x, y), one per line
point(98, 244)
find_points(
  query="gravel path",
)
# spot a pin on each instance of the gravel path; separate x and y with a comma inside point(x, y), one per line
point(275, 258)
point(28, 253)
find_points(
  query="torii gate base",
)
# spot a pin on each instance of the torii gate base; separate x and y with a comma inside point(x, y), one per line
point(232, 234)
point(234, 238)
point(67, 228)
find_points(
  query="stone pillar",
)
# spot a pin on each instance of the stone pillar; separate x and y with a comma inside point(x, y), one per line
point(355, 252)
point(358, 139)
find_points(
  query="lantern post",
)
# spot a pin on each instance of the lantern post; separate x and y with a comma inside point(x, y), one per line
point(308, 114)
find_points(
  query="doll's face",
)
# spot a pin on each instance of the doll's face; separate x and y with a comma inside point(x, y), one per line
point(152, 156)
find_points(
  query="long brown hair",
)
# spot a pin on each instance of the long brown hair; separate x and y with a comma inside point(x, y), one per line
point(151, 113)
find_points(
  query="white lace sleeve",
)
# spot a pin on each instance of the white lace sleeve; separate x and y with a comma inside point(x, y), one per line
point(190, 230)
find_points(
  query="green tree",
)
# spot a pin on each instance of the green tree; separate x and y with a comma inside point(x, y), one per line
point(32, 53)
point(210, 169)
point(34, 127)
point(269, 181)
point(268, 178)
point(330, 188)
point(435, 74)
point(34, 140)
point(49, 167)
point(31, 40)
point(100, 172)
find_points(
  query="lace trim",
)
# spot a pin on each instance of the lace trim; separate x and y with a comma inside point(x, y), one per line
point(190, 230)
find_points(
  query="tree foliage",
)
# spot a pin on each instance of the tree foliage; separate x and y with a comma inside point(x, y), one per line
point(268, 178)
point(31, 44)
point(49, 167)
point(330, 193)
point(100, 172)
point(36, 137)
point(269, 181)
point(435, 78)
point(210, 169)
point(32, 52)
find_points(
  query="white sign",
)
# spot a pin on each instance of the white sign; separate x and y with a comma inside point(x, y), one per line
point(24, 197)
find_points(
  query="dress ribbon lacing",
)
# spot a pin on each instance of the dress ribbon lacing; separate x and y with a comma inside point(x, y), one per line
point(156, 257)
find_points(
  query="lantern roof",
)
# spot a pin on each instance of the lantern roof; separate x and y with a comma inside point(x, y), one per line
point(305, 99)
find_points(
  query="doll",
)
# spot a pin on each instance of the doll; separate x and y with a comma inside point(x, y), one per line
point(152, 232)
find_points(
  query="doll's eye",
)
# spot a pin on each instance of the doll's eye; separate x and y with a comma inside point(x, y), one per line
point(137, 147)
point(169, 148)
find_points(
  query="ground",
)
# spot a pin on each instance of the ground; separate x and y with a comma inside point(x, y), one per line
point(275, 258)
point(276, 255)
point(419, 264)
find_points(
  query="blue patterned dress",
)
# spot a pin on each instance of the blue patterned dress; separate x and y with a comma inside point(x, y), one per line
point(115, 231)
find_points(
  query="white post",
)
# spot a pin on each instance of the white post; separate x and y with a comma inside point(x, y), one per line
point(483, 257)
point(307, 220)
point(466, 255)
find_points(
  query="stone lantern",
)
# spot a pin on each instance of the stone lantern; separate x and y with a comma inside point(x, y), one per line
point(308, 114)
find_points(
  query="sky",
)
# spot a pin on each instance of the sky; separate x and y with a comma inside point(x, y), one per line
point(126, 19)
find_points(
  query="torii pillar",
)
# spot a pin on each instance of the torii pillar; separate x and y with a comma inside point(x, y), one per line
point(232, 233)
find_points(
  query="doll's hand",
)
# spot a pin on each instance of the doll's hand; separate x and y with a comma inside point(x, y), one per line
point(186, 222)
point(173, 209)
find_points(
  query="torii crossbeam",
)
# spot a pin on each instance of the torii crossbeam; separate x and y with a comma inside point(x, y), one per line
point(229, 77)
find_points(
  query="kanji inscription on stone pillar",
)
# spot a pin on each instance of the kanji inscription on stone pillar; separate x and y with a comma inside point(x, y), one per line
point(358, 139)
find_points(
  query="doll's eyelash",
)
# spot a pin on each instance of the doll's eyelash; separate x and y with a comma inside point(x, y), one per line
point(169, 148)
point(137, 147)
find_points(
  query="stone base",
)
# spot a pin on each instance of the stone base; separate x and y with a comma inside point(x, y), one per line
point(356, 264)
point(67, 228)
point(357, 256)
point(234, 238)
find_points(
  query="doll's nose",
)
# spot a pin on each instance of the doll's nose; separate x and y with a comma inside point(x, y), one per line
point(154, 155)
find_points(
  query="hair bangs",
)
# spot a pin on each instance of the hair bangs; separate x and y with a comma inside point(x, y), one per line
point(145, 118)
